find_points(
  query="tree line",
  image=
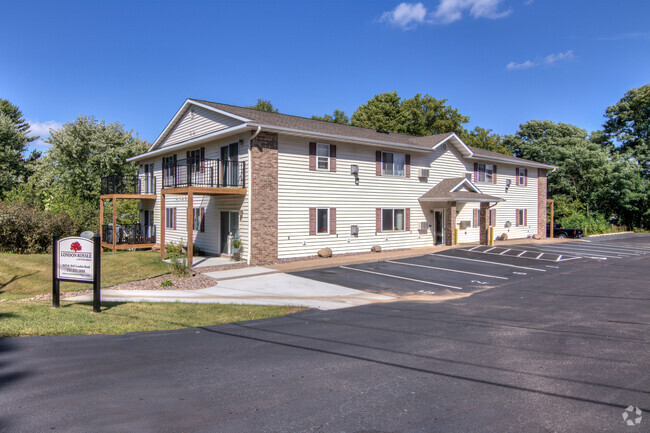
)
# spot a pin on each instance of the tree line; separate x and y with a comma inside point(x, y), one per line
point(602, 176)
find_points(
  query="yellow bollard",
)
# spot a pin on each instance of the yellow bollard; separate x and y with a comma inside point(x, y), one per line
point(456, 236)
point(491, 236)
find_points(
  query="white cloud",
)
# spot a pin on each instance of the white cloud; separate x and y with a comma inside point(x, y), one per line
point(449, 11)
point(525, 65)
point(406, 15)
point(552, 58)
point(42, 129)
point(549, 60)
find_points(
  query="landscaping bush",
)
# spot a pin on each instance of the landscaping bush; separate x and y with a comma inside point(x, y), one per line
point(591, 224)
point(180, 268)
point(25, 229)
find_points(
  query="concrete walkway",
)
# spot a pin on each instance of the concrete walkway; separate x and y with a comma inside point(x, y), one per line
point(261, 289)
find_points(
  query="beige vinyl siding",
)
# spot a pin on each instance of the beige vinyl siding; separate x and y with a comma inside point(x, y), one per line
point(517, 197)
point(208, 241)
point(299, 189)
point(202, 123)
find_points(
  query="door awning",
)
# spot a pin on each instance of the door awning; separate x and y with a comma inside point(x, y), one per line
point(457, 189)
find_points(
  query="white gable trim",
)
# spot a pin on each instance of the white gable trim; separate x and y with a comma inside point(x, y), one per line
point(460, 145)
point(179, 114)
point(467, 182)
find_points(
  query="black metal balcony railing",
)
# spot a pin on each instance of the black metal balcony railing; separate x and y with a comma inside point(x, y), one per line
point(205, 173)
point(142, 184)
point(134, 234)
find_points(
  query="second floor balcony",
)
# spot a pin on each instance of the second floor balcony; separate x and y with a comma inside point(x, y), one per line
point(144, 184)
point(211, 173)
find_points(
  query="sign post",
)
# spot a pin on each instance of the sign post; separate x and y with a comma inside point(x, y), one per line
point(77, 260)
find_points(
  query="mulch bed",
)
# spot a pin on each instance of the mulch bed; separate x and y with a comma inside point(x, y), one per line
point(196, 282)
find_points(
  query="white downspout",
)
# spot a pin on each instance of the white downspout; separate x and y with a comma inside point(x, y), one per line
point(250, 192)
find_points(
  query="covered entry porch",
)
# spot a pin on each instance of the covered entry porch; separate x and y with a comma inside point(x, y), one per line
point(443, 203)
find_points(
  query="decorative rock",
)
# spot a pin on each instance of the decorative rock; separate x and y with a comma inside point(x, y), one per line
point(156, 247)
point(376, 249)
point(325, 252)
point(536, 236)
point(503, 237)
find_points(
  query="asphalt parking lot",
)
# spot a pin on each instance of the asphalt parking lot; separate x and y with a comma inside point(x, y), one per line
point(475, 268)
point(557, 347)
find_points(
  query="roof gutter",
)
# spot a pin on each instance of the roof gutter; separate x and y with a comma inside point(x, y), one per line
point(521, 162)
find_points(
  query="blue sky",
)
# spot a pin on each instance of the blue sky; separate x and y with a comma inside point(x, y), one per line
point(501, 62)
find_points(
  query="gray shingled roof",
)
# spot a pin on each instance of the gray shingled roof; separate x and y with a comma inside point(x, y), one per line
point(320, 126)
point(303, 123)
point(442, 192)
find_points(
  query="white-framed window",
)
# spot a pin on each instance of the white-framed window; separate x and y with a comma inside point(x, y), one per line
point(521, 177)
point(322, 220)
point(392, 220)
point(169, 217)
point(521, 217)
point(197, 219)
point(485, 173)
point(393, 164)
point(323, 156)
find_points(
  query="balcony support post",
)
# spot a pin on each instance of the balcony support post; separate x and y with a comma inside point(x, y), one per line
point(190, 226)
point(114, 225)
point(162, 225)
point(101, 223)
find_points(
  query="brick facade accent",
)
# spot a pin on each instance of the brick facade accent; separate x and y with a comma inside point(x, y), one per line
point(264, 198)
point(483, 224)
point(542, 184)
point(450, 223)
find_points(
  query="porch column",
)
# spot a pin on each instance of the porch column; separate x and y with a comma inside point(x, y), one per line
point(450, 223)
point(190, 226)
point(484, 229)
point(162, 226)
point(114, 224)
point(101, 223)
point(541, 202)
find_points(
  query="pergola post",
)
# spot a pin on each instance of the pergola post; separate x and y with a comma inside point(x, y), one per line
point(552, 218)
point(162, 226)
point(101, 223)
point(190, 226)
point(114, 225)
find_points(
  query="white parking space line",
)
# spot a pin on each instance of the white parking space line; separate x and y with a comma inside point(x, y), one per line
point(522, 253)
point(503, 252)
point(487, 261)
point(582, 253)
point(446, 269)
point(402, 278)
point(610, 249)
point(487, 251)
point(539, 256)
point(614, 245)
point(473, 248)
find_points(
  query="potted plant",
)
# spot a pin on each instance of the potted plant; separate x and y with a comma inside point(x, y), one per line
point(236, 247)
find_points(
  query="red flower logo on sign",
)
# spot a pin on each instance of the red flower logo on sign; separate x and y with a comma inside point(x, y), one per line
point(76, 246)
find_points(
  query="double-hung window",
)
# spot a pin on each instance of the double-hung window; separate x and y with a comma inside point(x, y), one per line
point(485, 173)
point(323, 156)
point(169, 217)
point(522, 173)
point(322, 220)
point(194, 160)
point(393, 164)
point(168, 166)
point(392, 219)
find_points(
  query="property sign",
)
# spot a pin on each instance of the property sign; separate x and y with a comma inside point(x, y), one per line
point(75, 259)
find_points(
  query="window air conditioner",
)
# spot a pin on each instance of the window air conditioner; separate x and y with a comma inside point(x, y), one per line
point(354, 230)
point(423, 172)
point(424, 225)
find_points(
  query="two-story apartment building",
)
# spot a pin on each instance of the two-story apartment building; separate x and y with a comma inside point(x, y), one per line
point(288, 186)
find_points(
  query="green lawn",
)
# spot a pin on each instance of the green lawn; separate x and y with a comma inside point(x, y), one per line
point(27, 275)
point(38, 318)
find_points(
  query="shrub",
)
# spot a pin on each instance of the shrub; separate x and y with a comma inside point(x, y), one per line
point(166, 283)
point(173, 248)
point(591, 224)
point(25, 229)
point(180, 268)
